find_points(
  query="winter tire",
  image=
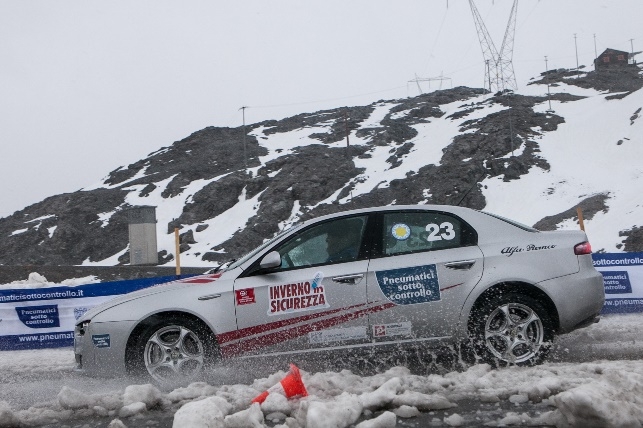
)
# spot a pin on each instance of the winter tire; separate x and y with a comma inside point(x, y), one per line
point(511, 329)
point(175, 350)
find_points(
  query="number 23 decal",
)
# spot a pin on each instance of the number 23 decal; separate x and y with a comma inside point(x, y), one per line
point(436, 232)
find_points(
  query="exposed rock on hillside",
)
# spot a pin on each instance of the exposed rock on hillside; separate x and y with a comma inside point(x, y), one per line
point(435, 148)
point(633, 239)
point(589, 206)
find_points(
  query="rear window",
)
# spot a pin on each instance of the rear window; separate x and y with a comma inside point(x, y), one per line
point(511, 222)
point(411, 232)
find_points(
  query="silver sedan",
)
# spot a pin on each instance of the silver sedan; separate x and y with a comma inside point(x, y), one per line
point(397, 275)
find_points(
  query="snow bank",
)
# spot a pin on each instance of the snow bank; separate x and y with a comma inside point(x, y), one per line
point(597, 394)
point(35, 280)
point(594, 393)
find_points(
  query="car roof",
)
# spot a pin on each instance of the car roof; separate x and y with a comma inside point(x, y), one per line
point(448, 208)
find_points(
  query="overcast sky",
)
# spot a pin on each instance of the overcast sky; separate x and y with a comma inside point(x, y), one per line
point(87, 86)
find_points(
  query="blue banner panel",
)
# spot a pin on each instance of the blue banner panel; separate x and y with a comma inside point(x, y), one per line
point(616, 282)
point(46, 317)
point(87, 290)
point(613, 306)
point(39, 316)
point(623, 281)
point(37, 341)
point(601, 260)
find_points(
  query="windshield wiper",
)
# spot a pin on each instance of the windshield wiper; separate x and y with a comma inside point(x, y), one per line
point(222, 266)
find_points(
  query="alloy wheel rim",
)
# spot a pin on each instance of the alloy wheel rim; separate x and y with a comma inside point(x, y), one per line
point(514, 333)
point(173, 353)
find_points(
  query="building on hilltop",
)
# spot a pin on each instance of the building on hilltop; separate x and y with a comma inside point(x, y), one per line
point(611, 58)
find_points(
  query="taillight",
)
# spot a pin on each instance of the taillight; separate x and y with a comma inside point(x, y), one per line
point(583, 248)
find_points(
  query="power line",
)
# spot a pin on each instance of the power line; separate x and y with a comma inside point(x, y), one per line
point(440, 78)
point(327, 99)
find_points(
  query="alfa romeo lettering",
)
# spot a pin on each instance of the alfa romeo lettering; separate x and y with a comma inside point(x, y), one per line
point(509, 251)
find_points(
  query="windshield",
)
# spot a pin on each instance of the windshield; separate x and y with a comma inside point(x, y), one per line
point(260, 248)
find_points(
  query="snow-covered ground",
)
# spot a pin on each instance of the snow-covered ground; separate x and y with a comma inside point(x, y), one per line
point(593, 378)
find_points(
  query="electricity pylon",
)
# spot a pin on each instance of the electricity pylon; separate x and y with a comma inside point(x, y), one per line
point(439, 78)
point(499, 69)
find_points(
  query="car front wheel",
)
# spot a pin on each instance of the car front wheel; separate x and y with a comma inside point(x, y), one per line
point(175, 350)
point(511, 329)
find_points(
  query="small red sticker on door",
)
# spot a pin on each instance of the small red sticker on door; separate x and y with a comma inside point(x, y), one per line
point(379, 330)
point(245, 296)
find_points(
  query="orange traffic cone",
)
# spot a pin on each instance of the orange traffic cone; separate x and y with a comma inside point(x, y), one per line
point(290, 386)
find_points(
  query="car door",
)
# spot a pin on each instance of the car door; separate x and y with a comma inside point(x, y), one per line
point(316, 298)
point(424, 265)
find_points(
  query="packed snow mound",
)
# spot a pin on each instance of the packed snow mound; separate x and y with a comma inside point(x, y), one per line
point(36, 280)
point(598, 394)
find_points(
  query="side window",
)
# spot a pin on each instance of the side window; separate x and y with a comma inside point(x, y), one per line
point(335, 241)
point(421, 231)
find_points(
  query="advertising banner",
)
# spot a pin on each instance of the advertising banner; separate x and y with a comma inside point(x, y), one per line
point(623, 279)
point(34, 318)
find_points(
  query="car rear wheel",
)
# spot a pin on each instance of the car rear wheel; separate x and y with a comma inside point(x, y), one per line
point(175, 350)
point(511, 329)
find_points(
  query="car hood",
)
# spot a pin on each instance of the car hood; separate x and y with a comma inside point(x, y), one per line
point(155, 289)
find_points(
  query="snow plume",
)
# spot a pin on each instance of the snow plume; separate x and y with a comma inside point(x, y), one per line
point(594, 394)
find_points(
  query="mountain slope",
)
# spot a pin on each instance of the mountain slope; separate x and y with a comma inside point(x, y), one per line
point(506, 153)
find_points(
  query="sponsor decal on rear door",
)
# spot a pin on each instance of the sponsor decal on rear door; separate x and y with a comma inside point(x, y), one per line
point(409, 286)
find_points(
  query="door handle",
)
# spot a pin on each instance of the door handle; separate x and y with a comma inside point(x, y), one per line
point(349, 279)
point(209, 296)
point(460, 265)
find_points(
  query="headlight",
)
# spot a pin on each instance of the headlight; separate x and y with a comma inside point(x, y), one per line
point(81, 328)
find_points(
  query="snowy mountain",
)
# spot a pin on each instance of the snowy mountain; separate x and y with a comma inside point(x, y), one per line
point(528, 155)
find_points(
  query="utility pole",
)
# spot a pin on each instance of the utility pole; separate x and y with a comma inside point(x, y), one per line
point(347, 133)
point(576, 46)
point(511, 133)
point(595, 52)
point(245, 159)
point(632, 45)
point(548, 93)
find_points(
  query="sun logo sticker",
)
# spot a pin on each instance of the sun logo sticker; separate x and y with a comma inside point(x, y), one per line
point(400, 231)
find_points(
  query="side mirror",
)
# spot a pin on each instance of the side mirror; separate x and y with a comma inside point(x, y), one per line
point(270, 260)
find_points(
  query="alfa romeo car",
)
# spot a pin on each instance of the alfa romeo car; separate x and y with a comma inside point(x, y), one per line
point(395, 275)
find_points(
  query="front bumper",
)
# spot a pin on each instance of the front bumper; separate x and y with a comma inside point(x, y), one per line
point(100, 348)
